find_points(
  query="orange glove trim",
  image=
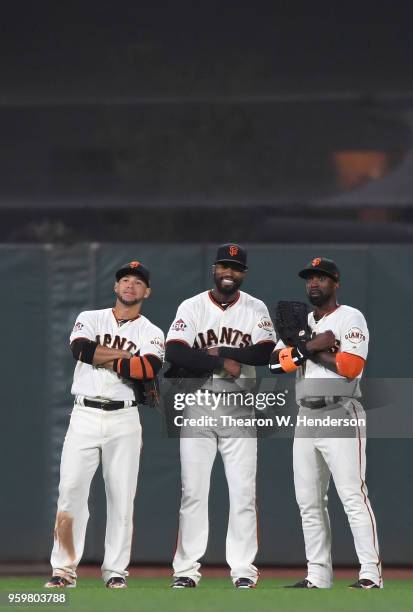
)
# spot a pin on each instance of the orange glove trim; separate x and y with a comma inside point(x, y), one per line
point(286, 360)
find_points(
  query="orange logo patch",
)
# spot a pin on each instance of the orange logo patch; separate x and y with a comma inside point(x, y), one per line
point(233, 250)
point(316, 262)
point(134, 264)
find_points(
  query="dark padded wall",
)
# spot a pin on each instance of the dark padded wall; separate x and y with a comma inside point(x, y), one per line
point(25, 404)
point(43, 290)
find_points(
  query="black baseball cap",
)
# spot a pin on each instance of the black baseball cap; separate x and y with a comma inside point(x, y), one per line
point(323, 266)
point(232, 253)
point(133, 267)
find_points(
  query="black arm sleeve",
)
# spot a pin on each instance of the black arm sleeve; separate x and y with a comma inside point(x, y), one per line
point(83, 350)
point(257, 354)
point(184, 356)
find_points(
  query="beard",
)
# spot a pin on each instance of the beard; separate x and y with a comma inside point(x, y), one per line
point(227, 289)
point(126, 302)
point(318, 299)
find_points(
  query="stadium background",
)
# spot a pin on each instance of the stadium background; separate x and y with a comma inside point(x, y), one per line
point(156, 136)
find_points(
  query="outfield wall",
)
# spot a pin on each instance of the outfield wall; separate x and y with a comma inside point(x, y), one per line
point(44, 287)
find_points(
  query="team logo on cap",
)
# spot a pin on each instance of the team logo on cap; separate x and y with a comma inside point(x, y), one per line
point(316, 262)
point(233, 251)
point(134, 264)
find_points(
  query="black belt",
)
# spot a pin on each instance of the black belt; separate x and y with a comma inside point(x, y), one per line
point(107, 405)
point(320, 403)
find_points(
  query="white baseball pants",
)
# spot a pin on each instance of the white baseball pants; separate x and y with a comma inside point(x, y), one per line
point(240, 463)
point(315, 460)
point(115, 437)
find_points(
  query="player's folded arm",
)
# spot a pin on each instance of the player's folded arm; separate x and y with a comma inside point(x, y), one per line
point(256, 354)
point(182, 355)
point(345, 364)
point(83, 350)
point(139, 367)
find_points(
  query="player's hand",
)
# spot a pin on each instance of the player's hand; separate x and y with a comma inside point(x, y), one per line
point(321, 342)
point(125, 355)
point(213, 350)
point(232, 367)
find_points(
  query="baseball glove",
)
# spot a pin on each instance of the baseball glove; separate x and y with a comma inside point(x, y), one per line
point(291, 323)
point(147, 393)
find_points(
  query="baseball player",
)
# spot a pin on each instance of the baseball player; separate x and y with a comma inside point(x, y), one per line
point(328, 368)
point(226, 332)
point(117, 350)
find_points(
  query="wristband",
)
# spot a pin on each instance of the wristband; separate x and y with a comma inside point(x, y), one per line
point(135, 368)
point(303, 352)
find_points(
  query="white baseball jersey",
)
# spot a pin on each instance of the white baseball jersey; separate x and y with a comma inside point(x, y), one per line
point(202, 322)
point(139, 336)
point(350, 329)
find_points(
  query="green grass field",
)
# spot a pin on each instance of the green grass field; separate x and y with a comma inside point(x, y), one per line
point(217, 595)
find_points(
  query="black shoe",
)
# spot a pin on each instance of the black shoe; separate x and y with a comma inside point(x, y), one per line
point(116, 582)
point(244, 583)
point(364, 583)
point(183, 583)
point(304, 584)
point(58, 582)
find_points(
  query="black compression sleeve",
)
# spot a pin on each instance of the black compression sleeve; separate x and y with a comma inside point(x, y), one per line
point(184, 356)
point(83, 350)
point(257, 354)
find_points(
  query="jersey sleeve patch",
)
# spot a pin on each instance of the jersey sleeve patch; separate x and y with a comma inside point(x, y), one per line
point(263, 329)
point(355, 335)
point(185, 324)
point(158, 343)
point(266, 324)
point(153, 345)
point(179, 325)
point(83, 327)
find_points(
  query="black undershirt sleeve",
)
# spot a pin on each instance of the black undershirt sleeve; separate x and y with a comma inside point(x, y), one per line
point(184, 356)
point(257, 354)
point(83, 350)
